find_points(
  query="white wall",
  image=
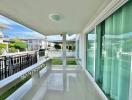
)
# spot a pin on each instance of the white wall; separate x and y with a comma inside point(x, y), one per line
point(82, 49)
point(77, 38)
point(36, 44)
point(1, 37)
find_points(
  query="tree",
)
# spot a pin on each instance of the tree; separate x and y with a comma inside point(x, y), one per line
point(2, 46)
point(18, 44)
point(57, 46)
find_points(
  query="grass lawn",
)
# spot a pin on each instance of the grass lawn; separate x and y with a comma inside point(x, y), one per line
point(71, 61)
point(58, 61)
point(13, 89)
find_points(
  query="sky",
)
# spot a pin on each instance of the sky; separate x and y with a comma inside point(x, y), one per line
point(16, 30)
point(59, 37)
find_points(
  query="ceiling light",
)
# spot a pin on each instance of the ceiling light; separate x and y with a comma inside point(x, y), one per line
point(55, 17)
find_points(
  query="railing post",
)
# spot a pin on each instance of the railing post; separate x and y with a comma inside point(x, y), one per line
point(20, 62)
point(37, 55)
point(2, 68)
point(5, 67)
point(10, 66)
point(28, 60)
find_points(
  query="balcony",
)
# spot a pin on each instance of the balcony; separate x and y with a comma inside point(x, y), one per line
point(49, 82)
point(103, 50)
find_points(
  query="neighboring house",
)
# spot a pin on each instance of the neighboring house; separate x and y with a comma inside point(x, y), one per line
point(57, 39)
point(36, 44)
point(1, 37)
point(4, 41)
point(4, 45)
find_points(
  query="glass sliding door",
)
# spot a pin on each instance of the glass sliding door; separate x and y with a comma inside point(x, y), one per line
point(125, 52)
point(108, 54)
point(109, 49)
point(113, 53)
point(90, 52)
point(100, 31)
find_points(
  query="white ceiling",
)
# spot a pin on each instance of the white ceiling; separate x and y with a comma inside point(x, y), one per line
point(34, 14)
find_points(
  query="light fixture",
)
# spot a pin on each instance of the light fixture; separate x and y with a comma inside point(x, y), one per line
point(55, 17)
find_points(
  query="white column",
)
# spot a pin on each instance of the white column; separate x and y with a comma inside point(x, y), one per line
point(64, 50)
point(82, 50)
point(77, 38)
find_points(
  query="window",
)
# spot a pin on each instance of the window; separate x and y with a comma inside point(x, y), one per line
point(90, 52)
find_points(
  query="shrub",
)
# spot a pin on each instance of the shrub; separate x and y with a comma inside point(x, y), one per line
point(2, 46)
point(57, 46)
point(12, 50)
point(18, 44)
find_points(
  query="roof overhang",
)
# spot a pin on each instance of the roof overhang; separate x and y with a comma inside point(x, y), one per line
point(35, 14)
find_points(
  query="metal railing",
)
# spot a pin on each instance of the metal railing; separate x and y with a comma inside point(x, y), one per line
point(10, 65)
point(41, 52)
point(33, 70)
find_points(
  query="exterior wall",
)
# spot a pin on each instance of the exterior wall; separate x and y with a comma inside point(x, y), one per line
point(1, 37)
point(43, 44)
point(77, 46)
point(3, 42)
point(36, 44)
point(82, 49)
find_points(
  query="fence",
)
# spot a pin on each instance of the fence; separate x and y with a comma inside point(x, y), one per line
point(10, 65)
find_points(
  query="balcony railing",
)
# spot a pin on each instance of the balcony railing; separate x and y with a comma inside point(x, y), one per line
point(12, 64)
point(33, 70)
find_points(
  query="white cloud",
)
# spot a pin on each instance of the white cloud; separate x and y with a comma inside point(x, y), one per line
point(6, 21)
point(59, 38)
point(30, 35)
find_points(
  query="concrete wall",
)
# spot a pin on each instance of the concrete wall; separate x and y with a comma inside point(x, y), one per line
point(82, 49)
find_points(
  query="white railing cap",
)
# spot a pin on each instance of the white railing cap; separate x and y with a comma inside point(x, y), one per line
point(14, 77)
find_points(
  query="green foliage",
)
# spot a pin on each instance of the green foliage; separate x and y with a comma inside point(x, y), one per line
point(2, 46)
point(57, 46)
point(12, 50)
point(71, 61)
point(14, 88)
point(70, 45)
point(17, 44)
point(58, 61)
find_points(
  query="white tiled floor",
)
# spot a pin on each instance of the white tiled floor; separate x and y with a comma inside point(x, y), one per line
point(63, 85)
